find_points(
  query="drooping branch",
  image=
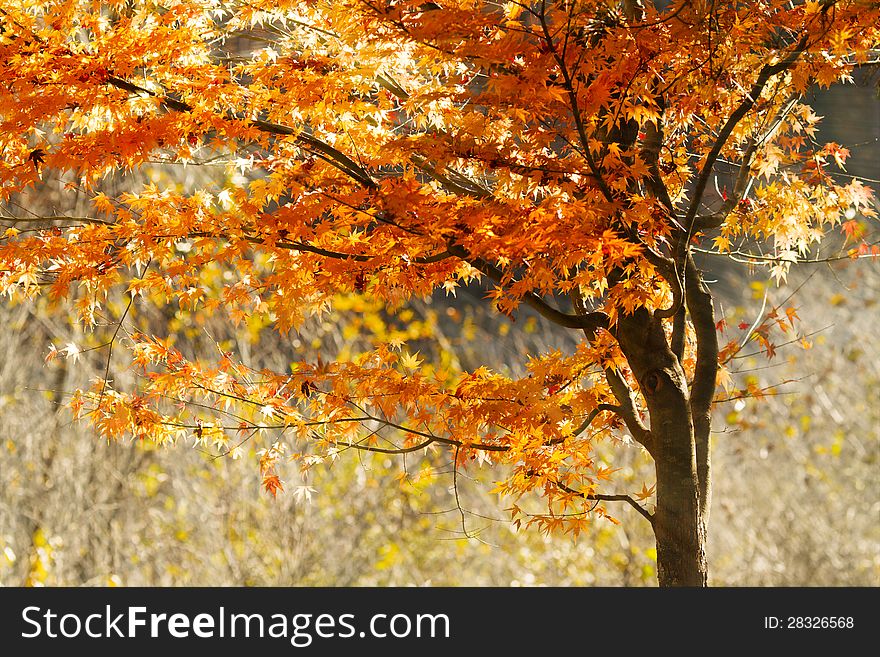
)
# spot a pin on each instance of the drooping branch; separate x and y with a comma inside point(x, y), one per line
point(351, 168)
point(462, 186)
point(326, 253)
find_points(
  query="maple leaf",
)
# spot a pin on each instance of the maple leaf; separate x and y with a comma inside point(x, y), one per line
point(853, 229)
point(37, 157)
point(71, 351)
point(840, 155)
point(724, 379)
point(303, 493)
point(410, 361)
point(273, 484)
point(645, 493)
point(722, 244)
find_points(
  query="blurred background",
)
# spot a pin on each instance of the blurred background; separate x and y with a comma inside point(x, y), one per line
point(796, 474)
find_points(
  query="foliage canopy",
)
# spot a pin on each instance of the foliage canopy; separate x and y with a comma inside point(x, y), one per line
point(561, 154)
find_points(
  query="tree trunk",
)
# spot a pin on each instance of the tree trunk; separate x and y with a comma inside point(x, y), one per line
point(678, 524)
point(678, 520)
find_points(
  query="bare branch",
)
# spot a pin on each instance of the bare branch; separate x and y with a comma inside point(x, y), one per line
point(678, 329)
point(387, 450)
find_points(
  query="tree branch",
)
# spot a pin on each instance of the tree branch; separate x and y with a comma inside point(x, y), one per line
point(304, 140)
point(766, 73)
point(716, 219)
point(702, 312)
point(599, 497)
point(676, 342)
point(651, 146)
point(568, 85)
point(591, 321)
point(351, 168)
point(627, 410)
point(465, 186)
point(611, 408)
point(385, 450)
point(336, 255)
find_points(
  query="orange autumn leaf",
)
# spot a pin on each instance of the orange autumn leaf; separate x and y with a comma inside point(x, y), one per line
point(272, 484)
point(645, 493)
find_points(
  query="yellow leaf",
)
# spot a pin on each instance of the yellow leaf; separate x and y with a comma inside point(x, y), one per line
point(410, 361)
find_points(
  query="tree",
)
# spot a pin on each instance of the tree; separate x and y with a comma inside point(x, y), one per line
point(563, 154)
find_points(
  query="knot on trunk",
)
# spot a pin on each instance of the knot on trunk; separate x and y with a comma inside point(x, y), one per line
point(652, 382)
